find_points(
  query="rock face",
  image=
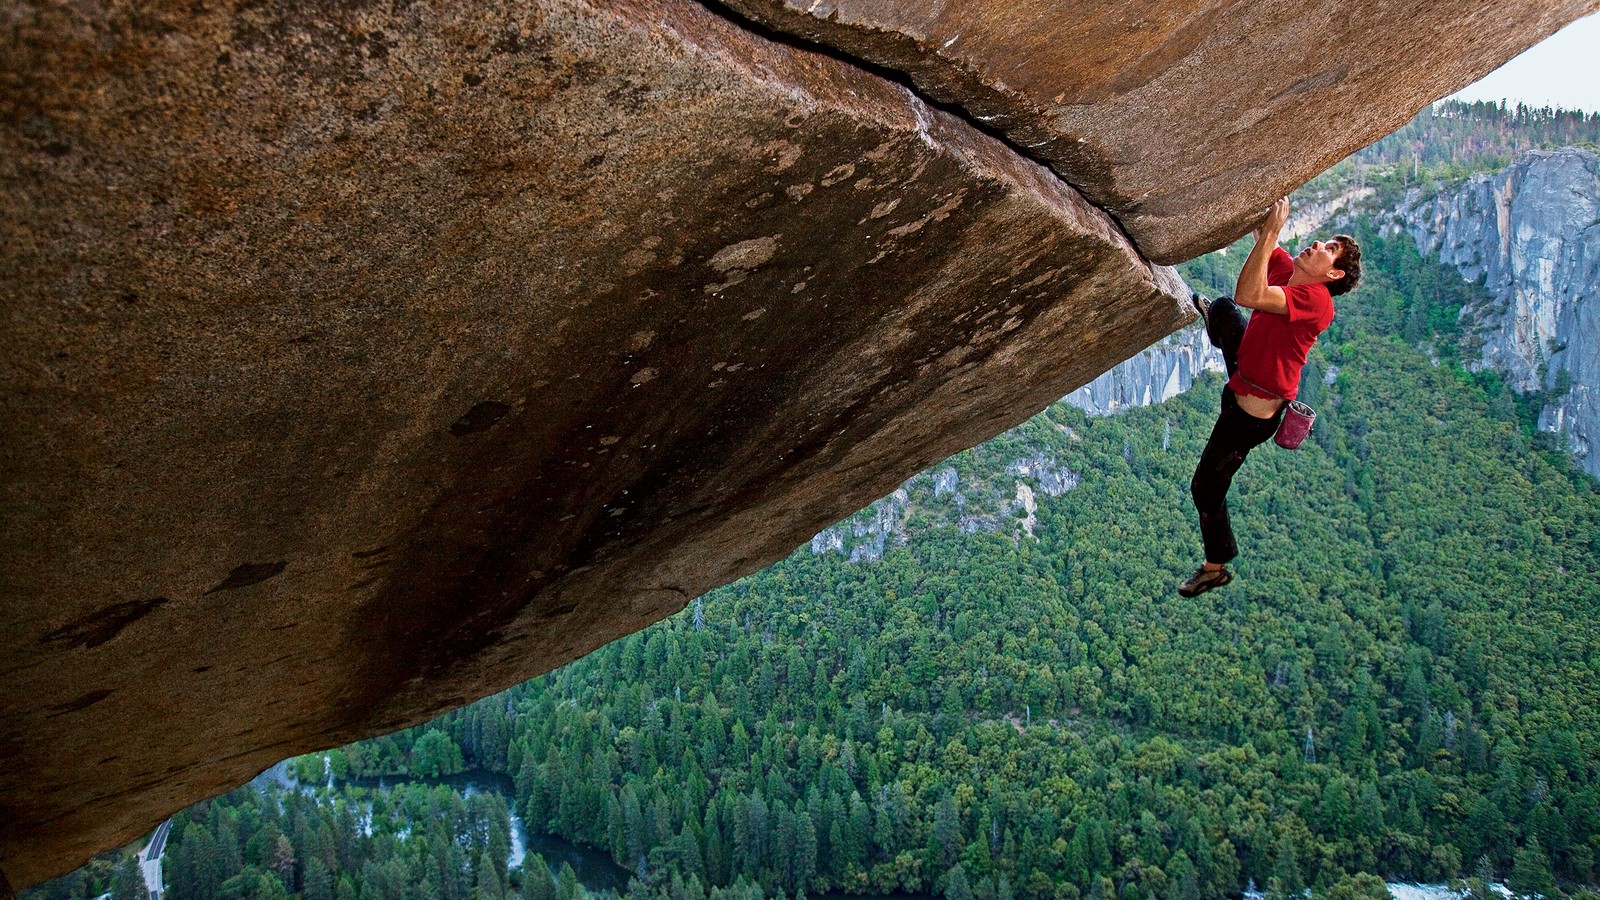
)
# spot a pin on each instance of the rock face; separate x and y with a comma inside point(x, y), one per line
point(1531, 234)
point(1184, 118)
point(940, 498)
point(362, 359)
point(1156, 374)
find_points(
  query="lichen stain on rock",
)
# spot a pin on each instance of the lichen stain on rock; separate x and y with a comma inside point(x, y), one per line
point(938, 214)
point(779, 155)
point(838, 173)
point(745, 255)
point(636, 260)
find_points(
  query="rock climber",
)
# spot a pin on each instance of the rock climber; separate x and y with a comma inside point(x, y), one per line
point(1292, 299)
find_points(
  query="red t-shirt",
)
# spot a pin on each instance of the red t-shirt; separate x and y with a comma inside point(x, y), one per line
point(1274, 346)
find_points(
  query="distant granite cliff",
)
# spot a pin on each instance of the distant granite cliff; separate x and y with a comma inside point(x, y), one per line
point(1531, 234)
point(1160, 372)
point(972, 502)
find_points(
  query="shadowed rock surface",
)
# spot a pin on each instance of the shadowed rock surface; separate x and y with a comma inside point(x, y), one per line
point(1184, 118)
point(362, 361)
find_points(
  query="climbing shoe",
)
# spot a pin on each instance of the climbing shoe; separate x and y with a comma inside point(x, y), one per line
point(1203, 307)
point(1204, 580)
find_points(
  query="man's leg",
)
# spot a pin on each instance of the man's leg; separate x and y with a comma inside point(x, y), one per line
point(1225, 323)
point(1232, 438)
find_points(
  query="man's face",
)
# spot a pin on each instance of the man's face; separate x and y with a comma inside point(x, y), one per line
point(1319, 261)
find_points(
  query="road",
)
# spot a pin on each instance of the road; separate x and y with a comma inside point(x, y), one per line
point(150, 859)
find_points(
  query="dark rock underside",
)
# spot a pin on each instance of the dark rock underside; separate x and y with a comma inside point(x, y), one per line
point(362, 361)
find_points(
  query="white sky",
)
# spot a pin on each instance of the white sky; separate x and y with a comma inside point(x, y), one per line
point(1563, 70)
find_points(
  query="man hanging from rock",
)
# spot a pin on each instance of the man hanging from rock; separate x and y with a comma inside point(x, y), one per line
point(1292, 299)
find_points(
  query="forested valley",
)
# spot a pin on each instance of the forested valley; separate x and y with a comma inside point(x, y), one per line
point(1453, 139)
point(1403, 681)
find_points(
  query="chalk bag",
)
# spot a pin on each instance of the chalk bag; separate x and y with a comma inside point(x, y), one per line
point(1296, 424)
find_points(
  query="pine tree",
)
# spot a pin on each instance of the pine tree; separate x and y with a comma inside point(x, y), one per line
point(537, 882)
point(128, 882)
point(1286, 879)
point(318, 882)
point(946, 831)
point(567, 886)
point(1530, 870)
point(956, 887)
point(488, 884)
point(805, 850)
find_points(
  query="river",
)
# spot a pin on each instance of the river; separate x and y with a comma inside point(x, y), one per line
point(598, 873)
point(595, 870)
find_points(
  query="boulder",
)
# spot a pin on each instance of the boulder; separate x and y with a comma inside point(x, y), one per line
point(363, 359)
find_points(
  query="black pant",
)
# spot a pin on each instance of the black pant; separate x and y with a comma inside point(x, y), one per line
point(1232, 438)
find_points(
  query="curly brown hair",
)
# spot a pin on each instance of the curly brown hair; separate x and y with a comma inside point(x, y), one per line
point(1350, 261)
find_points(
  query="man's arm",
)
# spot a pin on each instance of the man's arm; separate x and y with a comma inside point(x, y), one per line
point(1251, 290)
